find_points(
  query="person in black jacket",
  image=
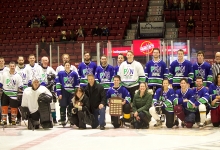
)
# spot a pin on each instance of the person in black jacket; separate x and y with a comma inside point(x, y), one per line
point(79, 104)
point(97, 100)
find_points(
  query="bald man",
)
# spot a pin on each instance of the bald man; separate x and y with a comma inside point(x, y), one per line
point(216, 65)
point(65, 58)
point(47, 78)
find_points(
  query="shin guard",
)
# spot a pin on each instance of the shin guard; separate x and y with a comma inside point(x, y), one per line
point(188, 124)
point(126, 111)
point(153, 113)
point(202, 112)
point(63, 113)
point(4, 112)
point(179, 112)
point(14, 112)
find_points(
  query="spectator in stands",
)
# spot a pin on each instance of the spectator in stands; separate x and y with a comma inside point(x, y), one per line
point(53, 44)
point(43, 46)
point(63, 36)
point(189, 5)
point(96, 31)
point(182, 5)
point(44, 22)
point(80, 32)
point(197, 5)
point(175, 5)
point(105, 31)
point(59, 21)
point(190, 24)
point(167, 5)
point(35, 22)
point(71, 36)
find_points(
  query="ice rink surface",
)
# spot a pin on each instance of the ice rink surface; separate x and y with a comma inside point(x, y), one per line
point(19, 138)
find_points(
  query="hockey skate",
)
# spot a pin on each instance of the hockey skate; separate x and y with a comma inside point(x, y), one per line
point(63, 123)
point(176, 123)
point(158, 124)
point(54, 120)
point(3, 123)
point(183, 124)
point(18, 122)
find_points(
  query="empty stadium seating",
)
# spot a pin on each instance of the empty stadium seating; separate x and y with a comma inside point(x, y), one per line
point(87, 13)
point(16, 38)
point(207, 21)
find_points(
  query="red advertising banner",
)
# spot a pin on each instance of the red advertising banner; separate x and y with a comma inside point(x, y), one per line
point(175, 49)
point(145, 47)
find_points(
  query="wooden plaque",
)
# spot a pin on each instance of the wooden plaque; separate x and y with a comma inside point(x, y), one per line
point(115, 106)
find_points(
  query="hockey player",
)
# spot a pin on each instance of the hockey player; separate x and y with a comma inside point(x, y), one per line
point(45, 72)
point(163, 103)
point(22, 70)
point(33, 68)
point(179, 69)
point(120, 60)
point(104, 73)
point(119, 91)
point(85, 68)
point(184, 104)
point(30, 100)
point(11, 83)
point(3, 68)
point(201, 95)
point(131, 73)
point(203, 69)
point(214, 91)
point(66, 82)
point(65, 58)
point(155, 71)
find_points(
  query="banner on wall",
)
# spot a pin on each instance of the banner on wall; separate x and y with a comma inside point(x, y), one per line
point(145, 47)
point(118, 50)
point(151, 29)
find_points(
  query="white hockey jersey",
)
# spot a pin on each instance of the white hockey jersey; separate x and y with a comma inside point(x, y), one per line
point(34, 70)
point(61, 68)
point(25, 75)
point(131, 73)
point(10, 83)
point(30, 98)
point(44, 72)
point(3, 70)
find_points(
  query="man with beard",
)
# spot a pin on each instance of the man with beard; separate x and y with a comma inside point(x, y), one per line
point(120, 60)
point(216, 66)
point(85, 68)
point(33, 68)
point(22, 70)
point(202, 69)
point(155, 71)
point(202, 98)
point(104, 73)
